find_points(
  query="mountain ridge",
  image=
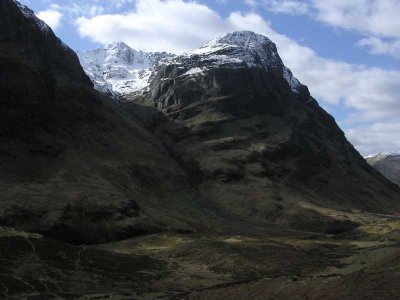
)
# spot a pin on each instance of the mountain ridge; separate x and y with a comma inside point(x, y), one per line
point(289, 141)
point(102, 64)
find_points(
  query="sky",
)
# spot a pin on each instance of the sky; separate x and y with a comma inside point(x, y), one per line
point(346, 51)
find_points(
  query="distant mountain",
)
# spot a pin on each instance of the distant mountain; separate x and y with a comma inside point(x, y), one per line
point(119, 69)
point(388, 164)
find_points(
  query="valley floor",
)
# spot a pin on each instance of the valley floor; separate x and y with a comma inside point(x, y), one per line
point(363, 263)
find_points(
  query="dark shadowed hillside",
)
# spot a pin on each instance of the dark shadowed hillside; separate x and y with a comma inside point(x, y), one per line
point(223, 179)
point(71, 165)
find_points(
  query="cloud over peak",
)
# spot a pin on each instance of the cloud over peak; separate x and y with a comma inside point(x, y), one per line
point(173, 25)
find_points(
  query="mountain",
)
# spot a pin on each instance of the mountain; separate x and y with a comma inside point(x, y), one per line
point(255, 143)
point(119, 69)
point(388, 164)
point(223, 179)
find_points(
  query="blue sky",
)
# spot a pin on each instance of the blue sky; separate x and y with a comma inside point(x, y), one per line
point(346, 51)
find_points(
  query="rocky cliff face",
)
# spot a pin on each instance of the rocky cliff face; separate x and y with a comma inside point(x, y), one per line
point(388, 164)
point(217, 69)
point(118, 69)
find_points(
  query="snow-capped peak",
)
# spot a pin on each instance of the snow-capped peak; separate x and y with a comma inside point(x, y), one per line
point(121, 53)
point(242, 39)
point(118, 45)
point(384, 155)
point(119, 69)
point(247, 46)
point(239, 49)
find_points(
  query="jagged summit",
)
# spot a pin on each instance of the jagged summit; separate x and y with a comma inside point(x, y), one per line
point(243, 42)
point(239, 49)
point(121, 53)
point(119, 69)
point(247, 40)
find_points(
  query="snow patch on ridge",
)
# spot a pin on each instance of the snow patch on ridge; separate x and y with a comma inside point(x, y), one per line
point(194, 71)
point(383, 155)
point(293, 82)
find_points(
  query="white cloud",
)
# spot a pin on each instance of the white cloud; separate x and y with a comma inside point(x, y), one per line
point(251, 3)
point(378, 46)
point(371, 17)
point(377, 20)
point(293, 7)
point(177, 26)
point(119, 3)
point(73, 9)
point(52, 16)
point(172, 25)
point(378, 137)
